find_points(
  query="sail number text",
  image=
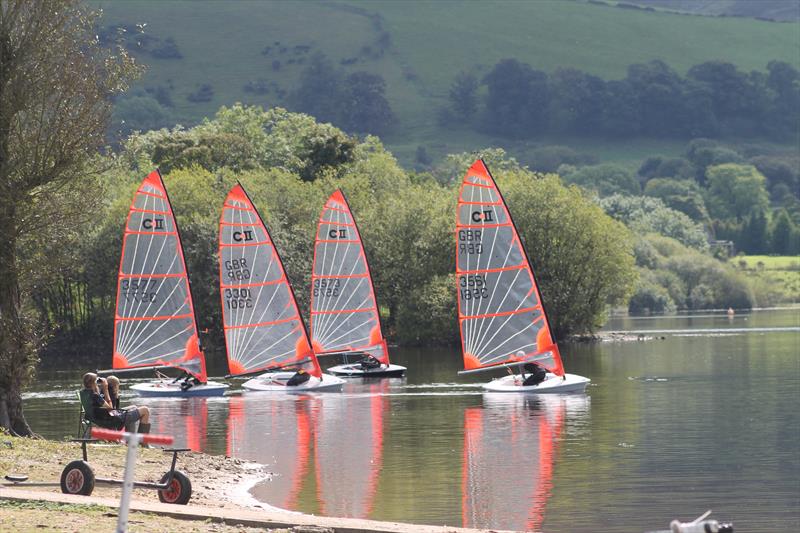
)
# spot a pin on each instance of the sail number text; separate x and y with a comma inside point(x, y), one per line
point(237, 269)
point(238, 298)
point(139, 290)
point(469, 241)
point(326, 287)
point(473, 286)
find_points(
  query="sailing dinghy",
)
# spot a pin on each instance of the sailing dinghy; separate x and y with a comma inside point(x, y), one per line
point(264, 332)
point(344, 313)
point(155, 325)
point(500, 313)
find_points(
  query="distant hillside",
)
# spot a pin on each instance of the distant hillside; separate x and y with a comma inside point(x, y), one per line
point(202, 55)
point(780, 10)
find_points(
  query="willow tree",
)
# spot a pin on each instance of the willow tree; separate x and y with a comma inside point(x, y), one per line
point(56, 85)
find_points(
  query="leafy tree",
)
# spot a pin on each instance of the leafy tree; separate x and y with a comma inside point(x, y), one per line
point(682, 195)
point(785, 235)
point(649, 215)
point(623, 109)
point(578, 101)
point(439, 323)
point(755, 235)
point(550, 158)
point(364, 108)
point(583, 260)
point(318, 92)
point(778, 171)
point(735, 191)
point(649, 296)
point(517, 101)
point(56, 84)
point(659, 90)
point(246, 137)
point(452, 168)
point(138, 113)
point(606, 179)
point(703, 153)
point(733, 95)
point(708, 283)
point(783, 114)
point(464, 95)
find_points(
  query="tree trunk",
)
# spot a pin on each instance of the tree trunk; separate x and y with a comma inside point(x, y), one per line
point(15, 350)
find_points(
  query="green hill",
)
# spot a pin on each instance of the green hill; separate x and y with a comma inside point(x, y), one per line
point(418, 47)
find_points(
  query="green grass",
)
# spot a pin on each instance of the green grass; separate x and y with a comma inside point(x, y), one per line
point(431, 41)
point(774, 279)
point(770, 262)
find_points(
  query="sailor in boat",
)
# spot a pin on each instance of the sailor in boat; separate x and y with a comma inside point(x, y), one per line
point(299, 377)
point(104, 414)
point(187, 380)
point(536, 374)
point(370, 362)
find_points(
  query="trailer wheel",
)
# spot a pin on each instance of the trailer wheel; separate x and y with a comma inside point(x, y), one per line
point(179, 490)
point(77, 478)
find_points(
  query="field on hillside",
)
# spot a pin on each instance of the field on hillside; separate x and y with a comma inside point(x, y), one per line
point(419, 46)
point(776, 278)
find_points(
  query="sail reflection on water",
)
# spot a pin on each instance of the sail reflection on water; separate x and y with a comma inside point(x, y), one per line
point(510, 448)
point(276, 432)
point(339, 437)
point(186, 420)
point(349, 451)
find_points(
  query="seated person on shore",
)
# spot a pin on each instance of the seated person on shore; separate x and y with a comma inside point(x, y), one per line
point(113, 399)
point(537, 374)
point(103, 412)
point(369, 362)
point(299, 377)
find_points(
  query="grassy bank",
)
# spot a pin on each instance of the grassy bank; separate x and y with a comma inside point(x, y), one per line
point(775, 279)
point(215, 481)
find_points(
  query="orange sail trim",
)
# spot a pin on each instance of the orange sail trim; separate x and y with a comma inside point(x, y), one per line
point(154, 318)
point(501, 316)
point(344, 311)
point(262, 322)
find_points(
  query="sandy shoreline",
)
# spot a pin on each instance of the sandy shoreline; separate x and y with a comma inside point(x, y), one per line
point(217, 481)
point(221, 500)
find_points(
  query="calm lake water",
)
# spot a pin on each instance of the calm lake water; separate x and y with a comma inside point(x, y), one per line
point(707, 417)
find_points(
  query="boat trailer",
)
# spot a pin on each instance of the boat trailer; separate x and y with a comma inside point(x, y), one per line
point(78, 477)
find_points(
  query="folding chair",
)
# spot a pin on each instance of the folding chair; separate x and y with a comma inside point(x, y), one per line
point(85, 420)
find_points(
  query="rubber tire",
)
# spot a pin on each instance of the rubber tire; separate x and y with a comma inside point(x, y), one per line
point(179, 492)
point(86, 479)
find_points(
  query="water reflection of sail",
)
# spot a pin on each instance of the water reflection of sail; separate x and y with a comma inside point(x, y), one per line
point(278, 435)
point(509, 452)
point(187, 421)
point(349, 452)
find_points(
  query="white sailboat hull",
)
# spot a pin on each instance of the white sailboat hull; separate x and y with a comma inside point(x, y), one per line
point(166, 387)
point(354, 370)
point(276, 382)
point(551, 384)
